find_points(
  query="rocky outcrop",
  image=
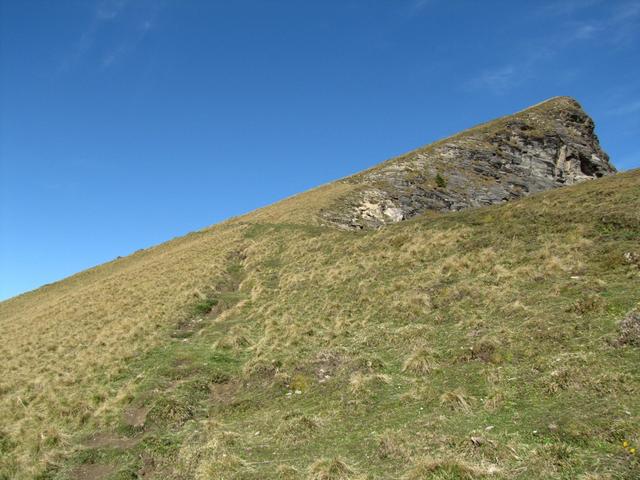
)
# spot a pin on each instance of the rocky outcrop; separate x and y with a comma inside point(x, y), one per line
point(545, 146)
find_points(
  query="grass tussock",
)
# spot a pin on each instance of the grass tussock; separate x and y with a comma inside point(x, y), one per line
point(420, 362)
point(297, 427)
point(361, 384)
point(446, 469)
point(330, 469)
point(456, 399)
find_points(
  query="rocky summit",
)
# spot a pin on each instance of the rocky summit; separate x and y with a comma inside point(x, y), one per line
point(548, 145)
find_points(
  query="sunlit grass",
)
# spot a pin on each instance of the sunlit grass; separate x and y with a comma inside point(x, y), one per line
point(477, 344)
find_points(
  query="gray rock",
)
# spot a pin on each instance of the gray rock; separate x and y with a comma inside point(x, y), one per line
point(630, 329)
point(545, 146)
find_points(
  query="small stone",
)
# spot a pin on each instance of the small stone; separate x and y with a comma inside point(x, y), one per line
point(632, 258)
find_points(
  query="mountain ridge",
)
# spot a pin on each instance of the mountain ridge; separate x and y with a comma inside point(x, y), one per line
point(556, 137)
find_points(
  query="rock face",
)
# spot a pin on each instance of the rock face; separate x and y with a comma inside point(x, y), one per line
point(545, 146)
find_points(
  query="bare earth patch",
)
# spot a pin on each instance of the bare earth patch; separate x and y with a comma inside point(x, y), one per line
point(135, 416)
point(110, 440)
point(95, 471)
point(224, 393)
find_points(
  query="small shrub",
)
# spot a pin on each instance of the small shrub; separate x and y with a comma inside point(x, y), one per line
point(440, 181)
point(205, 306)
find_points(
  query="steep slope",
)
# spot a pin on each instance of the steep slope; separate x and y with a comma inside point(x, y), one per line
point(481, 343)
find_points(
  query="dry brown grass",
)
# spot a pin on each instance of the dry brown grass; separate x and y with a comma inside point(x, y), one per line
point(65, 343)
point(392, 444)
point(456, 400)
point(447, 468)
point(421, 361)
point(319, 304)
point(335, 469)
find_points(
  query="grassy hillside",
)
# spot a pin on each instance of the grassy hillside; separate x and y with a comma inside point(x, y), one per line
point(476, 344)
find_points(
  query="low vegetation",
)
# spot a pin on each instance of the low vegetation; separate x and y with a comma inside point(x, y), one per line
point(488, 343)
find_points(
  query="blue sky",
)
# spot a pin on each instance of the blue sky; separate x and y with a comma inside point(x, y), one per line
point(124, 123)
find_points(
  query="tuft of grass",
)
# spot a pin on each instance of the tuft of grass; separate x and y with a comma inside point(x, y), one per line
point(297, 427)
point(456, 399)
point(362, 384)
point(445, 469)
point(420, 361)
point(330, 469)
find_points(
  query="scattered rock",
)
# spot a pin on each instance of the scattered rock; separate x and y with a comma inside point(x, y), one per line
point(632, 258)
point(629, 329)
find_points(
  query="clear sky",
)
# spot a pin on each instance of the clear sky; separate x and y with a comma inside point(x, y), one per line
point(124, 123)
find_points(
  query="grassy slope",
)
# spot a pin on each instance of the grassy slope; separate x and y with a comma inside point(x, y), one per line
point(461, 345)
